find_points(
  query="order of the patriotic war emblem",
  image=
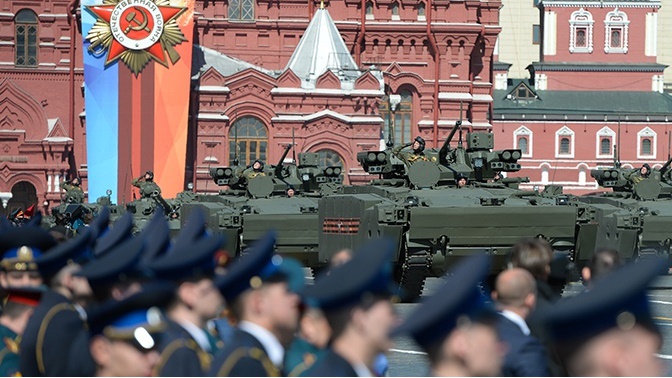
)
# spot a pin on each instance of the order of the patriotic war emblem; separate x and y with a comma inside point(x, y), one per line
point(136, 31)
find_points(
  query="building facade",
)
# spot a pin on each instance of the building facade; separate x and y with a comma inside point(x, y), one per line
point(435, 55)
point(598, 85)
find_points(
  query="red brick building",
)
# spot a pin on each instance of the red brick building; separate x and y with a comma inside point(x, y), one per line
point(434, 54)
point(597, 85)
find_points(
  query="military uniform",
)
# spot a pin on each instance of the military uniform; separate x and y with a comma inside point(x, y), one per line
point(148, 189)
point(300, 356)
point(408, 156)
point(247, 354)
point(251, 173)
point(181, 355)
point(56, 322)
point(9, 354)
point(73, 193)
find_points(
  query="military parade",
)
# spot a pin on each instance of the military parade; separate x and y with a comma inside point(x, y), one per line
point(335, 188)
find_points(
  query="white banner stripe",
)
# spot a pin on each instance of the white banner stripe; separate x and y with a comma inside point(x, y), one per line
point(407, 351)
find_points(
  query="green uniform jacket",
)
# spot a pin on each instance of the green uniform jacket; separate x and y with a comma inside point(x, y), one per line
point(300, 356)
point(408, 156)
point(9, 354)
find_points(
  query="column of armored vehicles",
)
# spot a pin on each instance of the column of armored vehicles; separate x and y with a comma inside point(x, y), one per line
point(434, 218)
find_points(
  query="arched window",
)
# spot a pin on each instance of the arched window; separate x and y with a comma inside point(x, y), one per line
point(646, 147)
point(369, 8)
point(25, 28)
point(582, 176)
point(330, 158)
point(400, 119)
point(522, 145)
point(421, 9)
point(581, 32)
point(616, 26)
point(564, 146)
point(395, 10)
point(241, 10)
point(605, 146)
point(252, 140)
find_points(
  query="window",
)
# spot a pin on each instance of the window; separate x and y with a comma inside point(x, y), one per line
point(581, 32)
point(330, 158)
point(522, 137)
point(616, 31)
point(25, 28)
point(421, 9)
point(564, 146)
point(252, 140)
point(646, 148)
point(536, 34)
point(605, 146)
point(403, 118)
point(241, 10)
point(604, 143)
point(522, 145)
point(564, 142)
point(369, 8)
point(395, 9)
point(523, 92)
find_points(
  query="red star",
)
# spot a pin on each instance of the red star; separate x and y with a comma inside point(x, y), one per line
point(104, 12)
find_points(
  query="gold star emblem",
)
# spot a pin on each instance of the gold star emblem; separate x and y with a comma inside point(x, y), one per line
point(136, 32)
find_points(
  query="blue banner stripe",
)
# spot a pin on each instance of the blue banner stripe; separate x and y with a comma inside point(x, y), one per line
point(102, 115)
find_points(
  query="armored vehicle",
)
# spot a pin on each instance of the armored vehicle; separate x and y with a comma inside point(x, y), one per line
point(73, 213)
point(252, 203)
point(434, 221)
point(642, 220)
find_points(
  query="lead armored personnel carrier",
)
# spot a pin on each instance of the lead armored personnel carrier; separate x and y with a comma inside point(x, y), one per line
point(435, 222)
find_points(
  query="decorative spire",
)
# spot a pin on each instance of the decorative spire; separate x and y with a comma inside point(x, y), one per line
point(321, 4)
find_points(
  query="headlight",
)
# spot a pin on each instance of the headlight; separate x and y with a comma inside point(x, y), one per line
point(381, 157)
point(371, 156)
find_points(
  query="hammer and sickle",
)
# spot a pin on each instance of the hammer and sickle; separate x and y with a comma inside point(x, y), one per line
point(130, 17)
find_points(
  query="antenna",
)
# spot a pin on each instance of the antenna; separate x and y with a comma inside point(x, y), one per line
point(293, 147)
point(459, 141)
point(669, 141)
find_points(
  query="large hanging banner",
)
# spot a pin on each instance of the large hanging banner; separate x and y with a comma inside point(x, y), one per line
point(137, 69)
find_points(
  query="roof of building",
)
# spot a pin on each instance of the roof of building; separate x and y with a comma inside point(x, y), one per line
point(550, 104)
point(501, 66)
point(598, 67)
point(204, 58)
point(606, 3)
point(322, 48)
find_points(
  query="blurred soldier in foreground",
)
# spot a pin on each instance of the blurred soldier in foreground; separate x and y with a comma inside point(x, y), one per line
point(456, 327)
point(124, 334)
point(20, 247)
point(609, 330)
point(17, 309)
point(356, 300)
point(416, 153)
point(310, 343)
point(259, 290)
point(516, 296)
point(186, 347)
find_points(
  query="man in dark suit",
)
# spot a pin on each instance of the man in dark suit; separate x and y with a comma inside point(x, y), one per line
point(515, 293)
point(356, 300)
point(260, 290)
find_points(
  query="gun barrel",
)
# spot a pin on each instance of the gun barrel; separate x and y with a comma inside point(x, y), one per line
point(278, 167)
point(666, 166)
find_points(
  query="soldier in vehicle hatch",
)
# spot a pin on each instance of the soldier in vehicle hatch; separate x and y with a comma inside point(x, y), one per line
point(411, 156)
point(73, 191)
point(257, 169)
point(148, 188)
point(643, 172)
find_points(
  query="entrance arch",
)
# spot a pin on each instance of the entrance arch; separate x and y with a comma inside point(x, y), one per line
point(24, 195)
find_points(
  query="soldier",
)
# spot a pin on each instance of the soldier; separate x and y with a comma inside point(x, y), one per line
point(310, 343)
point(17, 309)
point(20, 247)
point(148, 188)
point(609, 330)
point(57, 319)
point(186, 347)
point(73, 191)
point(290, 191)
point(416, 153)
point(603, 261)
point(356, 300)
point(124, 334)
point(455, 326)
point(461, 181)
point(260, 291)
point(257, 169)
point(641, 174)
